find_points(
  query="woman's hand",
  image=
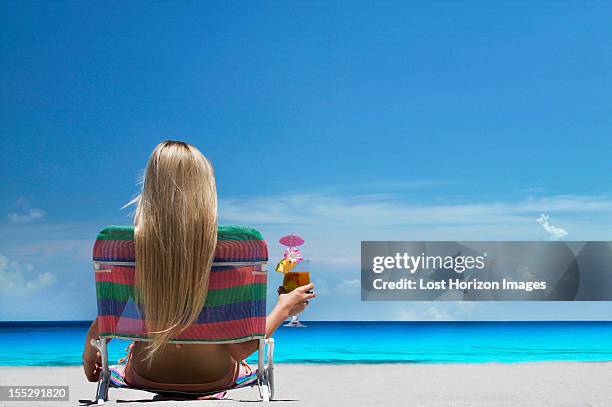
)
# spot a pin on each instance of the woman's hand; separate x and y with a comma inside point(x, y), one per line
point(289, 304)
point(92, 363)
point(295, 301)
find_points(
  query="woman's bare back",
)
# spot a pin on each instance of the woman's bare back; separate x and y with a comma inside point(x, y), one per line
point(185, 363)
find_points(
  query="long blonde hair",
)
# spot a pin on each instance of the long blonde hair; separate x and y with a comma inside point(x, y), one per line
point(175, 238)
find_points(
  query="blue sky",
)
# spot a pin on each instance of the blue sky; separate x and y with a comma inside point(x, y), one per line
point(341, 121)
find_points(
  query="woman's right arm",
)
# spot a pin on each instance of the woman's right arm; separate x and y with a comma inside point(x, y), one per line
point(288, 304)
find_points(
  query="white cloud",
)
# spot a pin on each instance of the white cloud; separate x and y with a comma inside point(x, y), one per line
point(73, 248)
point(28, 216)
point(385, 210)
point(352, 284)
point(25, 213)
point(553, 231)
point(338, 261)
point(18, 280)
point(334, 225)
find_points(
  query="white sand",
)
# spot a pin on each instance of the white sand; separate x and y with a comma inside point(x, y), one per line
point(524, 384)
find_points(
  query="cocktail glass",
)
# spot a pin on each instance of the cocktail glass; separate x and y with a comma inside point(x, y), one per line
point(297, 277)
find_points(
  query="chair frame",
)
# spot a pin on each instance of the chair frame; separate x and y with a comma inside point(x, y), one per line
point(265, 370)
point(265, 350)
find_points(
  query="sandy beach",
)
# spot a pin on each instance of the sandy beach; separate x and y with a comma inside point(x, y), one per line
point(522, 384)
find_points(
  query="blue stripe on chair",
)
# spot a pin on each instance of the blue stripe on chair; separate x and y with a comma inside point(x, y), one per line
point(113, 259)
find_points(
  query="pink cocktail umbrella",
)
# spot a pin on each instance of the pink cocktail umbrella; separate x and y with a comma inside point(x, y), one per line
point(291, 241)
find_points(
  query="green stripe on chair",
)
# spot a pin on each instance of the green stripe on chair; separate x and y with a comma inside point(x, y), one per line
point(233, 232)
point(235, 294)
point(122, 292)
point(112, 291)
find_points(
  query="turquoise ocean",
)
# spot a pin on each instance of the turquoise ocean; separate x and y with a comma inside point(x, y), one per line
point(61, 343)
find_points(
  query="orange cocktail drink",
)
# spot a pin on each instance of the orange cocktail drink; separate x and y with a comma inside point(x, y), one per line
point(295, 279)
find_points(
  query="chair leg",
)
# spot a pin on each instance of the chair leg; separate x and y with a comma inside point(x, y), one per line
point(102, 392)
point(265, 369)
point(104, 381)
point(270, 366)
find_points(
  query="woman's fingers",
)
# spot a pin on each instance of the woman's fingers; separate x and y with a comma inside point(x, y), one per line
point(307, 296)
point(92, 374)
point(304, 288)
point(92, 365)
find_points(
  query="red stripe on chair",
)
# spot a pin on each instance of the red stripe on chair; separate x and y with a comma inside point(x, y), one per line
point(211, 331)
point(226, 250)
point(118, 250)
point(241, 249)
point(222, 330)
point(234, 277)
point(217, 280)
point(119, 275)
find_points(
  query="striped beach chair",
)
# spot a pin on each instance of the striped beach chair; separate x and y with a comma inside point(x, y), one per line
point(235, 308)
